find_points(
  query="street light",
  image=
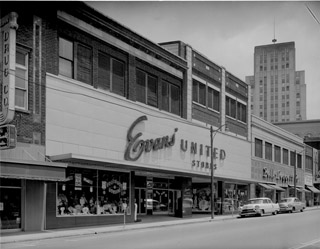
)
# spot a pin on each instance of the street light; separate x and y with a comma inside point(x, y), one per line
point(213, 167)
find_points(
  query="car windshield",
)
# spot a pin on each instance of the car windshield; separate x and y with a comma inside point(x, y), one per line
point(255, 201)
point(285, 200)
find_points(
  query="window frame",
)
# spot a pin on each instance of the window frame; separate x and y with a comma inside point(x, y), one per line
point(148, 76)
point(168, 85)
point(103, 85)
point(258, 150)
point(25, 67)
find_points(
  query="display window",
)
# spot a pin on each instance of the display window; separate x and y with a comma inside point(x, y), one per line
point(201, 196)
point(10, 204)
point(93, 192)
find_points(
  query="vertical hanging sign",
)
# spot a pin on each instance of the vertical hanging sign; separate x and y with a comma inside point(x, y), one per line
point(8, 29)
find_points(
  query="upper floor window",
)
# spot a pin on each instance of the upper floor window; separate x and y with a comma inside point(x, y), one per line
point(21, 79)
point(292, 158)
point(75, 60)
point(231, 107)
point(213, 99)
point(258, 147)
point(277, 154)
point(65, 57)
point(111, 74)
point(171, 98)
point(199, 92)
point(299, 161)
point(242, 112)
point(268, 151)
point(146, 91)
point(285, 156)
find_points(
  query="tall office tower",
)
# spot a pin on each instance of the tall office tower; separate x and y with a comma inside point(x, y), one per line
point(278, 91)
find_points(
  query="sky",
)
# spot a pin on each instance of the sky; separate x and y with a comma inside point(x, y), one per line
point(226, 32)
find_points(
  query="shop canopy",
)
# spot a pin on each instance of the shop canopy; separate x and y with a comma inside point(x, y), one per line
point(266, 186)
point(33, 170)
point(299, 188)
point(276, 187)
point(313, 189)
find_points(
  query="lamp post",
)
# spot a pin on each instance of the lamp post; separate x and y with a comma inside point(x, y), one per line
point(295, 175)
point(213, 167)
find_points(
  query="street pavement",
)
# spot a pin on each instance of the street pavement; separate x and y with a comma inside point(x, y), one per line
point(146, 222)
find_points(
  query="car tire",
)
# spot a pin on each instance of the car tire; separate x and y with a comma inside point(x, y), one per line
point(301, 210)
point(275, 212)
point(293, 209)
point(262, 213)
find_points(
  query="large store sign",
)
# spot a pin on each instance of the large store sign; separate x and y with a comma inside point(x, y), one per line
point(8, 56)
point(277, 176)
point(200, 151)
point(137, 146)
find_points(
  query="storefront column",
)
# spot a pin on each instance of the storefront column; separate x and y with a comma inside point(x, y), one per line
point(184, 207)
point(252, 190)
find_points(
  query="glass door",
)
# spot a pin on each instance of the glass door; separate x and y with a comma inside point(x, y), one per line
point(140, 200)
point(171, 202)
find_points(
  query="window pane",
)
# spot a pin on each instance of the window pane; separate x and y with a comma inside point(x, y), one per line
point(175, 99)
point(268, 151)
point(202, 94)
point(65, 49)
point(84, 64)
point(210, 98)
point(258, 147)
point(152, 91)
point(20, 58)
point(141, 86)
point(118, 77)
point(195, 91)
point(228, 106)
point(103, 72)
point(165, 96)
point(65, 68)
point(216, 100)
point(21, 78)
point(20, 98)
point(233, 108)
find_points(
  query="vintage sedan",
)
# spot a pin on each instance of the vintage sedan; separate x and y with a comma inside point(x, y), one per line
point(259, 207)
point(291, 204)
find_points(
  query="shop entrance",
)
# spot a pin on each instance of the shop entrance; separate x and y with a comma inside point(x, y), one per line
point(10, 204)
point(140, 200)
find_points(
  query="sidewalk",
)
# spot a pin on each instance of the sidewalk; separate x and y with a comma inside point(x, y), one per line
point(147, 222)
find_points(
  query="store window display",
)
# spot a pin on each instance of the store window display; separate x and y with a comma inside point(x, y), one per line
point(93, 192)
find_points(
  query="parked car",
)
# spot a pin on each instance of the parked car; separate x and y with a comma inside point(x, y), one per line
point(155, 205)
point(291, 204)
point(259, 207)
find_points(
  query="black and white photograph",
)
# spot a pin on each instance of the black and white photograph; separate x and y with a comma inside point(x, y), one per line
point(160, 124)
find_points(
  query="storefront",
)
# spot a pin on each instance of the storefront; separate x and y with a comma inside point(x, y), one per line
point(276, 181)
point(23, 189)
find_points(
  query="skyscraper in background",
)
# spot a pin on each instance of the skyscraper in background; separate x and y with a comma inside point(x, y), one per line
point(278, 91)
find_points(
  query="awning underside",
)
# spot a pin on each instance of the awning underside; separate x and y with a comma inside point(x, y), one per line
point(32, 172)
point(313, 189)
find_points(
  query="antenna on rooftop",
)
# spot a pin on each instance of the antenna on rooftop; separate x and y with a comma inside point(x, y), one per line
point(274, 31)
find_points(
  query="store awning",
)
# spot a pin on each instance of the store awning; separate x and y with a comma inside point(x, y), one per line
point(33, 170)
point(276, 187)
point(313, 189)
point(266, 186)
point(299, 188)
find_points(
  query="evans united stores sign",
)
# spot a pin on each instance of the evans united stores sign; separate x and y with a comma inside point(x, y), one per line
point(136, 146)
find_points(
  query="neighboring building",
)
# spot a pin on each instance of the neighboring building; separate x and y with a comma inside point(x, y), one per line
point(278, 91)
point(309, 131)
point(276, 154)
